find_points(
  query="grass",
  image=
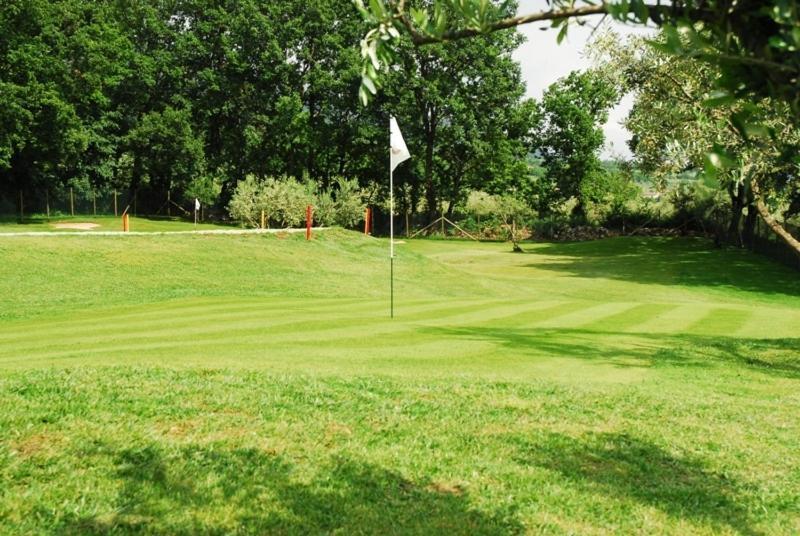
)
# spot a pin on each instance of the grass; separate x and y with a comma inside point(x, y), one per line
point(254, 384)
point(104, 223)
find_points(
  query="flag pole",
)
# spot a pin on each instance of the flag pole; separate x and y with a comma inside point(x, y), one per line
point(391, 231)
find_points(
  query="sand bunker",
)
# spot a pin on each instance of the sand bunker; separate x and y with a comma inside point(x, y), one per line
point(79, 226)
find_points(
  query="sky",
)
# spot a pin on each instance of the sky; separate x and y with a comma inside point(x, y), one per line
point(544, 61)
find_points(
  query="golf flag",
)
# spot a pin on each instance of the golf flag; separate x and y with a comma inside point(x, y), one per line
point(196, 204)
point(399, 151)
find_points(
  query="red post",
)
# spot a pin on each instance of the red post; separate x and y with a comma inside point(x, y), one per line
point(308, 222)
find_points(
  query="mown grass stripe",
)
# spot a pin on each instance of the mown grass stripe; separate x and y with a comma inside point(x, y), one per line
point(720, 321)
point(771, 323)
point(674, 320)
point(622, 321)
point(587, 314)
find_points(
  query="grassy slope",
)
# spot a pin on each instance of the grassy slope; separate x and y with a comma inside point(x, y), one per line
point(624, 385)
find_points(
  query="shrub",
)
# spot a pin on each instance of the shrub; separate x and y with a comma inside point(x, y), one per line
point(481, 205)
point(244, 204)
point(324, 208)
point(349, 204)
point(283, 201)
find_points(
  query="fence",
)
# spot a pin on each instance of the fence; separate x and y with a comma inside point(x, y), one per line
point(32, 204)
point(768, 243)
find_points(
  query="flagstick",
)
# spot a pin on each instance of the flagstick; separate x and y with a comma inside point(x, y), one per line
point(391, 235)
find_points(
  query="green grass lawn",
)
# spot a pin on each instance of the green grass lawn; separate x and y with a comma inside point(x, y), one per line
point(104, 223)
point(255, 384)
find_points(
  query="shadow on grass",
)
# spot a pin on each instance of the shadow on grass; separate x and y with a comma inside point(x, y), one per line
point(622, 466)
point(779, 357)
point(669, 261)
point(211, 490)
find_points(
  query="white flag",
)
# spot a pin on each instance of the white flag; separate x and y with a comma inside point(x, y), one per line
point(196, 204)
point(399, 151)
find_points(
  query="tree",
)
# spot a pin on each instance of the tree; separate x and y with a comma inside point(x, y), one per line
point(675, 130)
point(570, 135)
point(455, 102)
point(165, 150)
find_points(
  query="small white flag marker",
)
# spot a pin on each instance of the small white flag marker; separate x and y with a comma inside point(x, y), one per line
point(196, 204)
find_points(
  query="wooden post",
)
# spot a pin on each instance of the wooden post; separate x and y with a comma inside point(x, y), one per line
point(115, 204)
point(47, 202)
point(21, 207)
point(263, 220)
point(308, 222)
point(71, 202)
point(366, 221)
point(169, 206)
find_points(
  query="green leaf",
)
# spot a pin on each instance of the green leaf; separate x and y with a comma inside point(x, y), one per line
point(562, 33)
point(719, 98)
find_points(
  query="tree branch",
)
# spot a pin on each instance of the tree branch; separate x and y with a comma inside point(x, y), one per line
point(420, 39)
point(777, 228)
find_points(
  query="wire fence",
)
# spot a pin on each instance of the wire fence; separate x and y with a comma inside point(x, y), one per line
point(768, 243)
point(31, 204)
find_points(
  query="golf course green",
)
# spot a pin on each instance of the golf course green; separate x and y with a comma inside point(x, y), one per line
point(256, 384)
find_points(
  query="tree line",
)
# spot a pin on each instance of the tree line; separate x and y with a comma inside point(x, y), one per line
point(193, 96)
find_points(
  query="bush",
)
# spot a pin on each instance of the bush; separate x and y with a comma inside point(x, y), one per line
point(205, 188)
point(282, 201)
point(324, 208)
point(285, 201)
point(244, 205)
point(349, 205)
point(481, 205)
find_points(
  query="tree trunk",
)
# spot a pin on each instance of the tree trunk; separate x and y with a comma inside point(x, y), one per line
point(430, 140)
point(776, 227)
point(749, 231)
point(736, 193)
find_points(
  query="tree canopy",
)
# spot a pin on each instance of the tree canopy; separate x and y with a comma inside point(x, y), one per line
point(195, 95)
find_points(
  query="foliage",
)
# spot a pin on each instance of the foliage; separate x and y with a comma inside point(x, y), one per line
point(611, 195)
point(349, 205)
point(245, 204)
point(481, 205)
point(755, 44)
point(570, 136)
point(151, 96)
point(441, 100)
point(676, 130)
point(284, 202)
point(205, 188)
